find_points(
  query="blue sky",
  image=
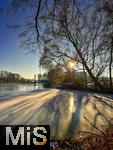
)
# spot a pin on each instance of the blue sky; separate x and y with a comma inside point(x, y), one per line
point(12, 58)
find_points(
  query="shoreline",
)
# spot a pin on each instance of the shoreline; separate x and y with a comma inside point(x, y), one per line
point(24, 93)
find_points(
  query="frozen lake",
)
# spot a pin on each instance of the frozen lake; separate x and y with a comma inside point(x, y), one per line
point(11, 89)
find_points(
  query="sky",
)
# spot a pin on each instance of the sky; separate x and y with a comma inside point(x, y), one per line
point(12, 58)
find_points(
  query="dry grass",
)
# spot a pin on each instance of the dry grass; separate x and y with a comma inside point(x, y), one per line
point(91, 141)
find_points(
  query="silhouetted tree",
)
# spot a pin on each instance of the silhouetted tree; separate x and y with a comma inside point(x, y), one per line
point(68, 29)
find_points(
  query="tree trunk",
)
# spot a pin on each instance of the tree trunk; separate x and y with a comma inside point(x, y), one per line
point(85, 77)
point(94, 79)
point(110, 67)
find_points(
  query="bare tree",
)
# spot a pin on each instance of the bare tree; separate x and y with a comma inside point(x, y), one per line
point(107, 7)
point(77, 29)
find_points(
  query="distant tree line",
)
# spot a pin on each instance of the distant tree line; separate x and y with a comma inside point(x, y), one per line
point(6, 76)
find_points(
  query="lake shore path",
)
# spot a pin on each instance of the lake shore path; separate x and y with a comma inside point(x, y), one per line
point(67, 112)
